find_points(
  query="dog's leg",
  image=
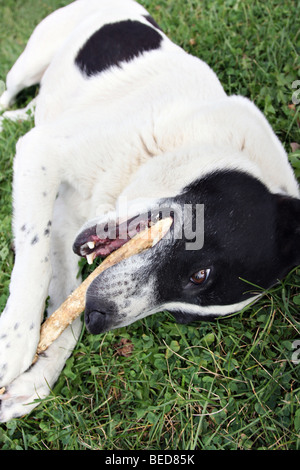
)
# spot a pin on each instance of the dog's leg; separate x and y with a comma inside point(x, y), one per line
point(44, 42)
point(38, 380)
point(36, 181)
point(66, 222)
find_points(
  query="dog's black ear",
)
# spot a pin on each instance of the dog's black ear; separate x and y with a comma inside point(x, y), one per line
point(288, 227)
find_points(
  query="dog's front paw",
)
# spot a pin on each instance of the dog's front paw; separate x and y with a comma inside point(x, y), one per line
point(18, 343)
point(21, 396)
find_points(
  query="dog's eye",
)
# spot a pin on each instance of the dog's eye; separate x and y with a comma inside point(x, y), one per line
point(200, 276)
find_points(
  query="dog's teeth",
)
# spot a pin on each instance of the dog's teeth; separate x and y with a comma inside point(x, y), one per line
point(91, 245)
point(90, 258)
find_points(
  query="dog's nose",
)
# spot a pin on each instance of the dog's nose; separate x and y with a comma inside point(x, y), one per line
point(99, 314)
point(95, 321)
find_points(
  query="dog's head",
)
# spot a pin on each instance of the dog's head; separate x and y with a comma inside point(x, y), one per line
point(231, 239)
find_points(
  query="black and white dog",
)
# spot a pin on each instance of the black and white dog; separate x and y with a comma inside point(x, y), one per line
point(127, 119)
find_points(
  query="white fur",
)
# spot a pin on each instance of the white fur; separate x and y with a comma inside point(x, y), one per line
point(207, 310)
point(93, 143)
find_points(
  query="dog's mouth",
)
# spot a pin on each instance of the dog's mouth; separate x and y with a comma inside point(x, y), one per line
point(102, 239)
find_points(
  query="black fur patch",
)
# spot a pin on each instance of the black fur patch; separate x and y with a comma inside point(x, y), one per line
point(245, 244)
point(115, 43)
point(152, 21)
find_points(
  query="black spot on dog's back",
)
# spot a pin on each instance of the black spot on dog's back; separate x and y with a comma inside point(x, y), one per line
point(115, 43)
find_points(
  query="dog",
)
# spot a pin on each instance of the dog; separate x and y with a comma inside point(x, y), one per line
point(128, 126)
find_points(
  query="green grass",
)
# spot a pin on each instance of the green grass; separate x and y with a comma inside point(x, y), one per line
point(226, 385)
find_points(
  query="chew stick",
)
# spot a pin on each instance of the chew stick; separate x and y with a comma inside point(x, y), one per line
point(74, 305)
